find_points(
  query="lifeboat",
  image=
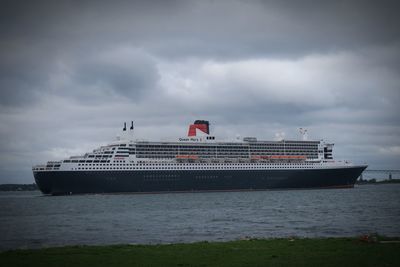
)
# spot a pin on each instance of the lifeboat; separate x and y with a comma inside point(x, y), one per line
point(187, 157)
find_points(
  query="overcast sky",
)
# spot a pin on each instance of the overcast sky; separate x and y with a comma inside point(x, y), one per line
point(71, 72)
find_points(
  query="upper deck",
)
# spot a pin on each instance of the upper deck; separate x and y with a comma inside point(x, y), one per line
point(201, 147)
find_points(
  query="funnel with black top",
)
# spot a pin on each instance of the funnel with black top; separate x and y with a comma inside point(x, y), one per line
point(201, 125)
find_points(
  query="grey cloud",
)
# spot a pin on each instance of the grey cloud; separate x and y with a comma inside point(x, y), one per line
point(24, 71)
point(128, 73)
point(218, 29)
point(340, 87)
point(72, 71)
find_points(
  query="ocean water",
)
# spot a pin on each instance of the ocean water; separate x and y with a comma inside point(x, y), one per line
point(30, 220)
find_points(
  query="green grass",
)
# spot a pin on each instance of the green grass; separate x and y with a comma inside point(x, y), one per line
point(270, 252)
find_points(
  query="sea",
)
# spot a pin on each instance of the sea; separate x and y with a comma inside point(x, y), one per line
point(31, 220)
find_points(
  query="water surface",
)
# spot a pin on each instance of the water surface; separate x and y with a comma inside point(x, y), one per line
point(30, 220)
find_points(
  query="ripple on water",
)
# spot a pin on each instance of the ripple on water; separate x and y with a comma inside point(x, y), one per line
point(28, 220)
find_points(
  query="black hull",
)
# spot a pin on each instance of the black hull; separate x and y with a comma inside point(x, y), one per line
point(83, 182)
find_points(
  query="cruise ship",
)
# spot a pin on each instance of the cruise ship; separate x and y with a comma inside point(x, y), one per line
point(195, 163)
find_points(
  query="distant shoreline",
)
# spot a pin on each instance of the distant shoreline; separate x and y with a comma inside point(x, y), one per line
point(374, 181)
point(18, 187)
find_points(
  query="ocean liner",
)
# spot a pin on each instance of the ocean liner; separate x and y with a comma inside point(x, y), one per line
point(197, 162)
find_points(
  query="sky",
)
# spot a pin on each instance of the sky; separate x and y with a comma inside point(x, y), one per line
point(71, 72)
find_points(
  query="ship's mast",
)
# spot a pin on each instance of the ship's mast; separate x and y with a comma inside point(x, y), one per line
point(125, 134)
point(303, 132)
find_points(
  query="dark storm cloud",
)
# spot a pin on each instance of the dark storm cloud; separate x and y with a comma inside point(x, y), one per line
point(122, 72)
point(243, 29)
point(206, 28)
point(24, 71)
point(35, 35)
point(69, 67)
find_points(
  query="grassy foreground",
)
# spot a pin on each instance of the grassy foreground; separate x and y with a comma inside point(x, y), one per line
point(269, 252)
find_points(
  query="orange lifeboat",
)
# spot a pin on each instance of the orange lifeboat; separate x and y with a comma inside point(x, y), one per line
point(187, 157)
